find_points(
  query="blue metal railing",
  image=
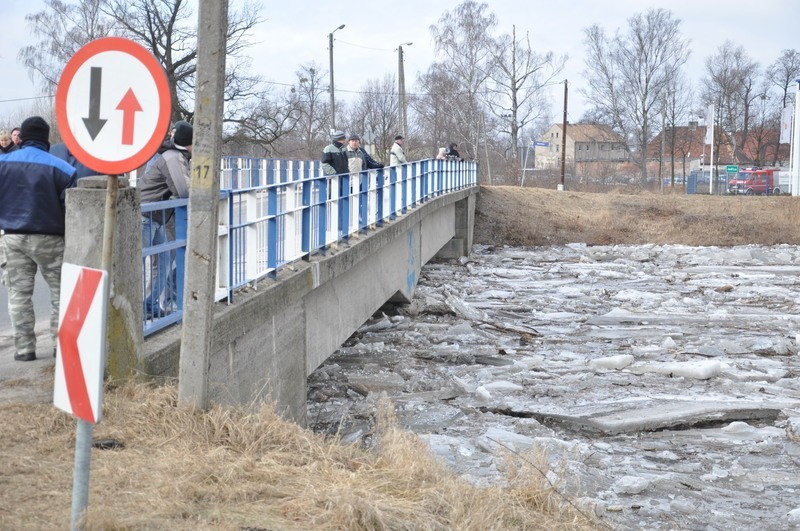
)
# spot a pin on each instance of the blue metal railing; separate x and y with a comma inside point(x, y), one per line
point(273, 212)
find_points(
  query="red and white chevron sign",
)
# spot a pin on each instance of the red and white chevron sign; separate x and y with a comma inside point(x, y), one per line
point(80, 361)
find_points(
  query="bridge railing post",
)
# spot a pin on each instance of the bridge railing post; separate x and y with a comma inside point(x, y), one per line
point(307, 185)
point(344, 205)
point(322, 211)
point(380, 194)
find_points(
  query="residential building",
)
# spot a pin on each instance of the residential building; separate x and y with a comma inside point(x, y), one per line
point(585, 143)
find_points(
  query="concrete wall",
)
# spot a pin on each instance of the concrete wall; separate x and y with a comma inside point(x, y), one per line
point(84, 246)
point(266, 343)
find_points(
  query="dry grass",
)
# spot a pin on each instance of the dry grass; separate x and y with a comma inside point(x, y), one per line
point(234, 469)
point(536, 216)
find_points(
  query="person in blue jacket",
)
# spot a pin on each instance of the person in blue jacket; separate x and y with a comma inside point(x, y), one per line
point(33, 185)
point(82, 170)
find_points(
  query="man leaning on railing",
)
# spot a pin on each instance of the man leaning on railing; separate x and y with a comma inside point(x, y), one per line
point(167, 178)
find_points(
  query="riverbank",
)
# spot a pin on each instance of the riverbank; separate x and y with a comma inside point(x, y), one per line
point(508, 215)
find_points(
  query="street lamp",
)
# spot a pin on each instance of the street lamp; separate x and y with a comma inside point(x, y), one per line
point(401, 92)
point(333, 100)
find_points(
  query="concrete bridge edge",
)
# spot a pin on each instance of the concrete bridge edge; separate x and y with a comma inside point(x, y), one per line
point(279, 330)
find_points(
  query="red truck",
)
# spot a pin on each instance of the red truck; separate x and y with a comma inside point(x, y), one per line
point(755, 181)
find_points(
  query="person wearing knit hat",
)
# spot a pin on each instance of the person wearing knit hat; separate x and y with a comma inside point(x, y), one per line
point(33, 186)
point(35, 128)
point(168, 176)
point(183, 133)
point(334, 158)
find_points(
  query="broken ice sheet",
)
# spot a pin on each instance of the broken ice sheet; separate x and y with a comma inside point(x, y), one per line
point(595, 309)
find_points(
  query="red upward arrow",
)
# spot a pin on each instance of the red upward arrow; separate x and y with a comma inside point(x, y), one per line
point(68, 333)
point(129, 106)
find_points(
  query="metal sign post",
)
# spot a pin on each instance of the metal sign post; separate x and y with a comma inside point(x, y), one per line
point(113, 109)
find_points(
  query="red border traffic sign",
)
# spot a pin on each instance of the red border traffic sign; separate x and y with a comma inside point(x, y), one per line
point(96, 153)
point(78, 385)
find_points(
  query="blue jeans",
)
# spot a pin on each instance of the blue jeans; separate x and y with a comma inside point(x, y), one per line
point(159, 297)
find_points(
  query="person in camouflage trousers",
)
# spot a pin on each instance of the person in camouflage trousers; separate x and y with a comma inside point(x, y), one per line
point(33, 185)
point(25, 253)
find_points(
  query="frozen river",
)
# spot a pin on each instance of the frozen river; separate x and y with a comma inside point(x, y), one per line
point(660, 381)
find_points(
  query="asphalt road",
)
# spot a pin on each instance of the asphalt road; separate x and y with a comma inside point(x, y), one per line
point(41, 304)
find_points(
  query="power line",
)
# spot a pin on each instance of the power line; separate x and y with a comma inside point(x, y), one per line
point(27, 99)
point(365, 47)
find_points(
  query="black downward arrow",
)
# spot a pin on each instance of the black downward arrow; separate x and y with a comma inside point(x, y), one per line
point(94, 124)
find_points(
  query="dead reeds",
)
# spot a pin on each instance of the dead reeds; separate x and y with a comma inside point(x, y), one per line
point(234, 468)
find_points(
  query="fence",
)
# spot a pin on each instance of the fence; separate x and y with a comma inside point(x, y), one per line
point(273, 212)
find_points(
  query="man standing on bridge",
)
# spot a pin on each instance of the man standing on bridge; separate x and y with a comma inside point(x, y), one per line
point(334, 159)
point(397, 155)
point(33, 186)
point(169, 177)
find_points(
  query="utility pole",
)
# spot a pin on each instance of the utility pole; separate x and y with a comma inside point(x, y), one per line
point(564, 140)
point(333, 98)
point(401, 90)
point(663, 141)
point(201, 246)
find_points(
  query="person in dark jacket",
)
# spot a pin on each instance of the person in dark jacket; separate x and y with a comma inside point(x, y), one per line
point(334, 158)
point(452, 152)
point(61, 151)
point(33, 186)
point(167, 178)
point(6, 144)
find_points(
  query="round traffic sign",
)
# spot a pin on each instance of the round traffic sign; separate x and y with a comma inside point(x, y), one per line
point(113, 105)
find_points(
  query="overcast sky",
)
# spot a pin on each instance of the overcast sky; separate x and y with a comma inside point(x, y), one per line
point(295, 33)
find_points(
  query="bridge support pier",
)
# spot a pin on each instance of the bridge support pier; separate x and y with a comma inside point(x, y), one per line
point(461, 244)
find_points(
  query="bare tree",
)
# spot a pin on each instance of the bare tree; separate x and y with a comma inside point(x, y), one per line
point(518, 76)
point(166, 28)
point(266, 122)
point(313, 110)
point(678, 107)
point(762, 141)
point(375, 111)
point(783, 73)
point(732, 83)
point(631, 72)
point(61, 29)
point(434, 109)
point(461, 39)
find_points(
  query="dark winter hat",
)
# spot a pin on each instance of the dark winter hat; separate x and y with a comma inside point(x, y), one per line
point(399, 137)
point(183, 134)
point(354, 137)
point(35, 128)
point(337, 135)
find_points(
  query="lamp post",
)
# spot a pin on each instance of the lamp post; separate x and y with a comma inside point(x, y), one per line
point(401, 90)
point(333, 98)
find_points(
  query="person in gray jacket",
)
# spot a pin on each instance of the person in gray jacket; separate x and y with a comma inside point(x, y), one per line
point(167, 178)
point(397, 155)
